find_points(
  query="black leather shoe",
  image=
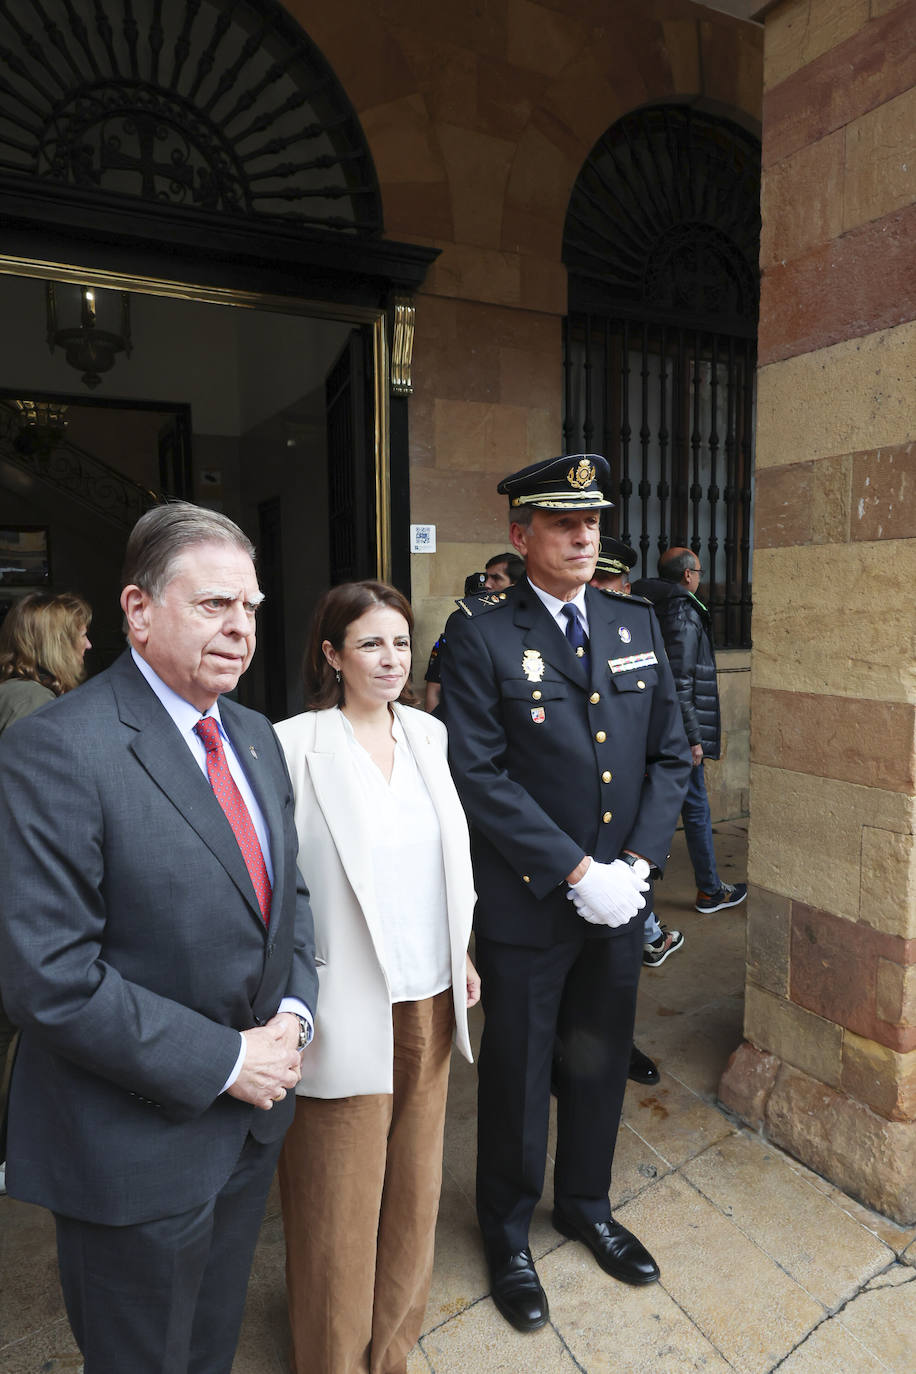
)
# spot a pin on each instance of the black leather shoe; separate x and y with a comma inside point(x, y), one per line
point(642, 1069)
point(517, 1292)
point(615, 1248)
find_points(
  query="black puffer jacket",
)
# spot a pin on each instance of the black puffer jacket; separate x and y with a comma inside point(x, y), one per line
point(687, 631)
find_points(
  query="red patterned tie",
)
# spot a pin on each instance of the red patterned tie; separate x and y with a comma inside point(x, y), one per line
point(237, 813)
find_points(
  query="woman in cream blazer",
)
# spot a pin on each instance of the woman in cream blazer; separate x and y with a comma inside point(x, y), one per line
point(361, 1167)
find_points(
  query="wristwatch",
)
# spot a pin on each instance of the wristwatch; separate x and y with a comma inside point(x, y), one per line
point(641, 867)
point(305, 1032)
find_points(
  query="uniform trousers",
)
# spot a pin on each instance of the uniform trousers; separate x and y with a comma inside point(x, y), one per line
point(359, 1182)
point(582, 991)
point(167, 1296)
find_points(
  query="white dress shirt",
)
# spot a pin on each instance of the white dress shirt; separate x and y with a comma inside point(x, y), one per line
point(555, 606)
point(185, 717)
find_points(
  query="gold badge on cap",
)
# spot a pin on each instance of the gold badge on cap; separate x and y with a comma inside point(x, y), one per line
point(532, 665)
point(582, 476)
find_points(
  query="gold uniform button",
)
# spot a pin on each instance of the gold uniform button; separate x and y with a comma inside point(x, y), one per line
point(535, 696)
point(640, 684)
point(502, 596)
point(606, 775)
point(525, 878)
point(595, 698)
point(601, 737)
point(608, 815)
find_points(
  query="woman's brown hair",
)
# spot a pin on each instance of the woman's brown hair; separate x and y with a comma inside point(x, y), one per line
point(40, 640)
point(336, 610)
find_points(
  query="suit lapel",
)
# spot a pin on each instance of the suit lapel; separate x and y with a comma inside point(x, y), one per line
point(543, 633)
point(160, 750)
point(603, 643)
point(343, 807)
point(433, 769)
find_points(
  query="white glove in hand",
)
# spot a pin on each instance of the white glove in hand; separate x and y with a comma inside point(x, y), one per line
point(608, 894)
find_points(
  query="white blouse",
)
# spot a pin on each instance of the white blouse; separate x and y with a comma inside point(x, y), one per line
point(408, 872)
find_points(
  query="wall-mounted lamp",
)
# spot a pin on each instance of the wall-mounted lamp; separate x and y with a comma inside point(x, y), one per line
point(92, 326)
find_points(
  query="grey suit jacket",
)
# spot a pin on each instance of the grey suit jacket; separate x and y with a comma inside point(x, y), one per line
point(132, 950)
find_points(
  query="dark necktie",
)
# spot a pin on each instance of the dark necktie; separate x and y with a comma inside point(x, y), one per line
point(237, 813)
point(576, 635)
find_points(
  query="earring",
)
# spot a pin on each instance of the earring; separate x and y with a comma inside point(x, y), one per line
point(337, 675)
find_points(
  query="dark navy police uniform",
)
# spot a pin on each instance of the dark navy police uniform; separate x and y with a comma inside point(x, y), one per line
point(552, 762)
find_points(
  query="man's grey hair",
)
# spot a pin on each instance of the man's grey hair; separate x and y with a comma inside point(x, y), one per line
point(161, 536)
point(521, 515)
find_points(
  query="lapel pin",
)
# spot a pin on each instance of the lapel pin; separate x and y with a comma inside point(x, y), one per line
point(624, 633)
point(252, 751)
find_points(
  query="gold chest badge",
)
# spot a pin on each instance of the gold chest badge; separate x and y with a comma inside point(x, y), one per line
point(532, 665)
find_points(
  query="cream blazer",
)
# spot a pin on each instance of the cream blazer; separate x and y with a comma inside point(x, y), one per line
point(353, 1048)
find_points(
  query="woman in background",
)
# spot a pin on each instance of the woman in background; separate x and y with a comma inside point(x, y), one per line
point(42, 643)
point(383, 847)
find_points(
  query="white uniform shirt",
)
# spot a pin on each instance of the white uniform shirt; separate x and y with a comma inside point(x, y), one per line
point(554, 606)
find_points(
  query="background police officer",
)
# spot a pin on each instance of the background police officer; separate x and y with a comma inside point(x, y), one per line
point(569, 753)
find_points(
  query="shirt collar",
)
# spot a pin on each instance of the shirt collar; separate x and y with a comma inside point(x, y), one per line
point(182, 712)
point(554, 605)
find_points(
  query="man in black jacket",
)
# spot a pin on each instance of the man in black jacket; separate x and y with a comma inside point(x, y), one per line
point(687, 630)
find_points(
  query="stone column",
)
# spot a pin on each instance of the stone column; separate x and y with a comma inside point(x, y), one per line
point(828, 1066)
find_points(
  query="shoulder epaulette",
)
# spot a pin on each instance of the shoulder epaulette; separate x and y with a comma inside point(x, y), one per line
point(476, 605)
point(626, 596)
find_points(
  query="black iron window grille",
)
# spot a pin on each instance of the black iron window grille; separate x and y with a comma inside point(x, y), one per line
point(660, 342)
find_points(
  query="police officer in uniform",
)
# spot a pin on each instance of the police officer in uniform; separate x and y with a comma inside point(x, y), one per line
point(612, 570)
point(568, 750)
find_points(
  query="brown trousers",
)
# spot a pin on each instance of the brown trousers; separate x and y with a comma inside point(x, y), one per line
point(359, 1182)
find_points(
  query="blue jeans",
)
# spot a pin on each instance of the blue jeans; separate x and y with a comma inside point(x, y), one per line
point(698, 833)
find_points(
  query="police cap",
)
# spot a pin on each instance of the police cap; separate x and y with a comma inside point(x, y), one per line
point(575, 481)
point(615, 557)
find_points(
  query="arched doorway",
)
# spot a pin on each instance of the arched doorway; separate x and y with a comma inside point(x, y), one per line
point(661, 242)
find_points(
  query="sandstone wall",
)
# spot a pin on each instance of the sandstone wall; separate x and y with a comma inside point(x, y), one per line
point(829, 1065)
point(479, 117)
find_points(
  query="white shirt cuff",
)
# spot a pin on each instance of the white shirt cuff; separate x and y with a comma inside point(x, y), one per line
point(238, 1066)
point(298, 1009)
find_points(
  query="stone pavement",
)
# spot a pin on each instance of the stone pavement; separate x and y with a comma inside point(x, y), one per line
point(764, 1265)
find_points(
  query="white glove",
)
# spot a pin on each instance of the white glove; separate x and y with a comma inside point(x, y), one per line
point(608, 894)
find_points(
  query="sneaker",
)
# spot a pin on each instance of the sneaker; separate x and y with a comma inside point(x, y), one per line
point(728, 895)
point(657, 951)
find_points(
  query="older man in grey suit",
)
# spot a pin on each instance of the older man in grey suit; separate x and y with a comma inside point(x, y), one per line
point(157, 950)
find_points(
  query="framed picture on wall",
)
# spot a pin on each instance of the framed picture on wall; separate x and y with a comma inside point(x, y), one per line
point(25, 556)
